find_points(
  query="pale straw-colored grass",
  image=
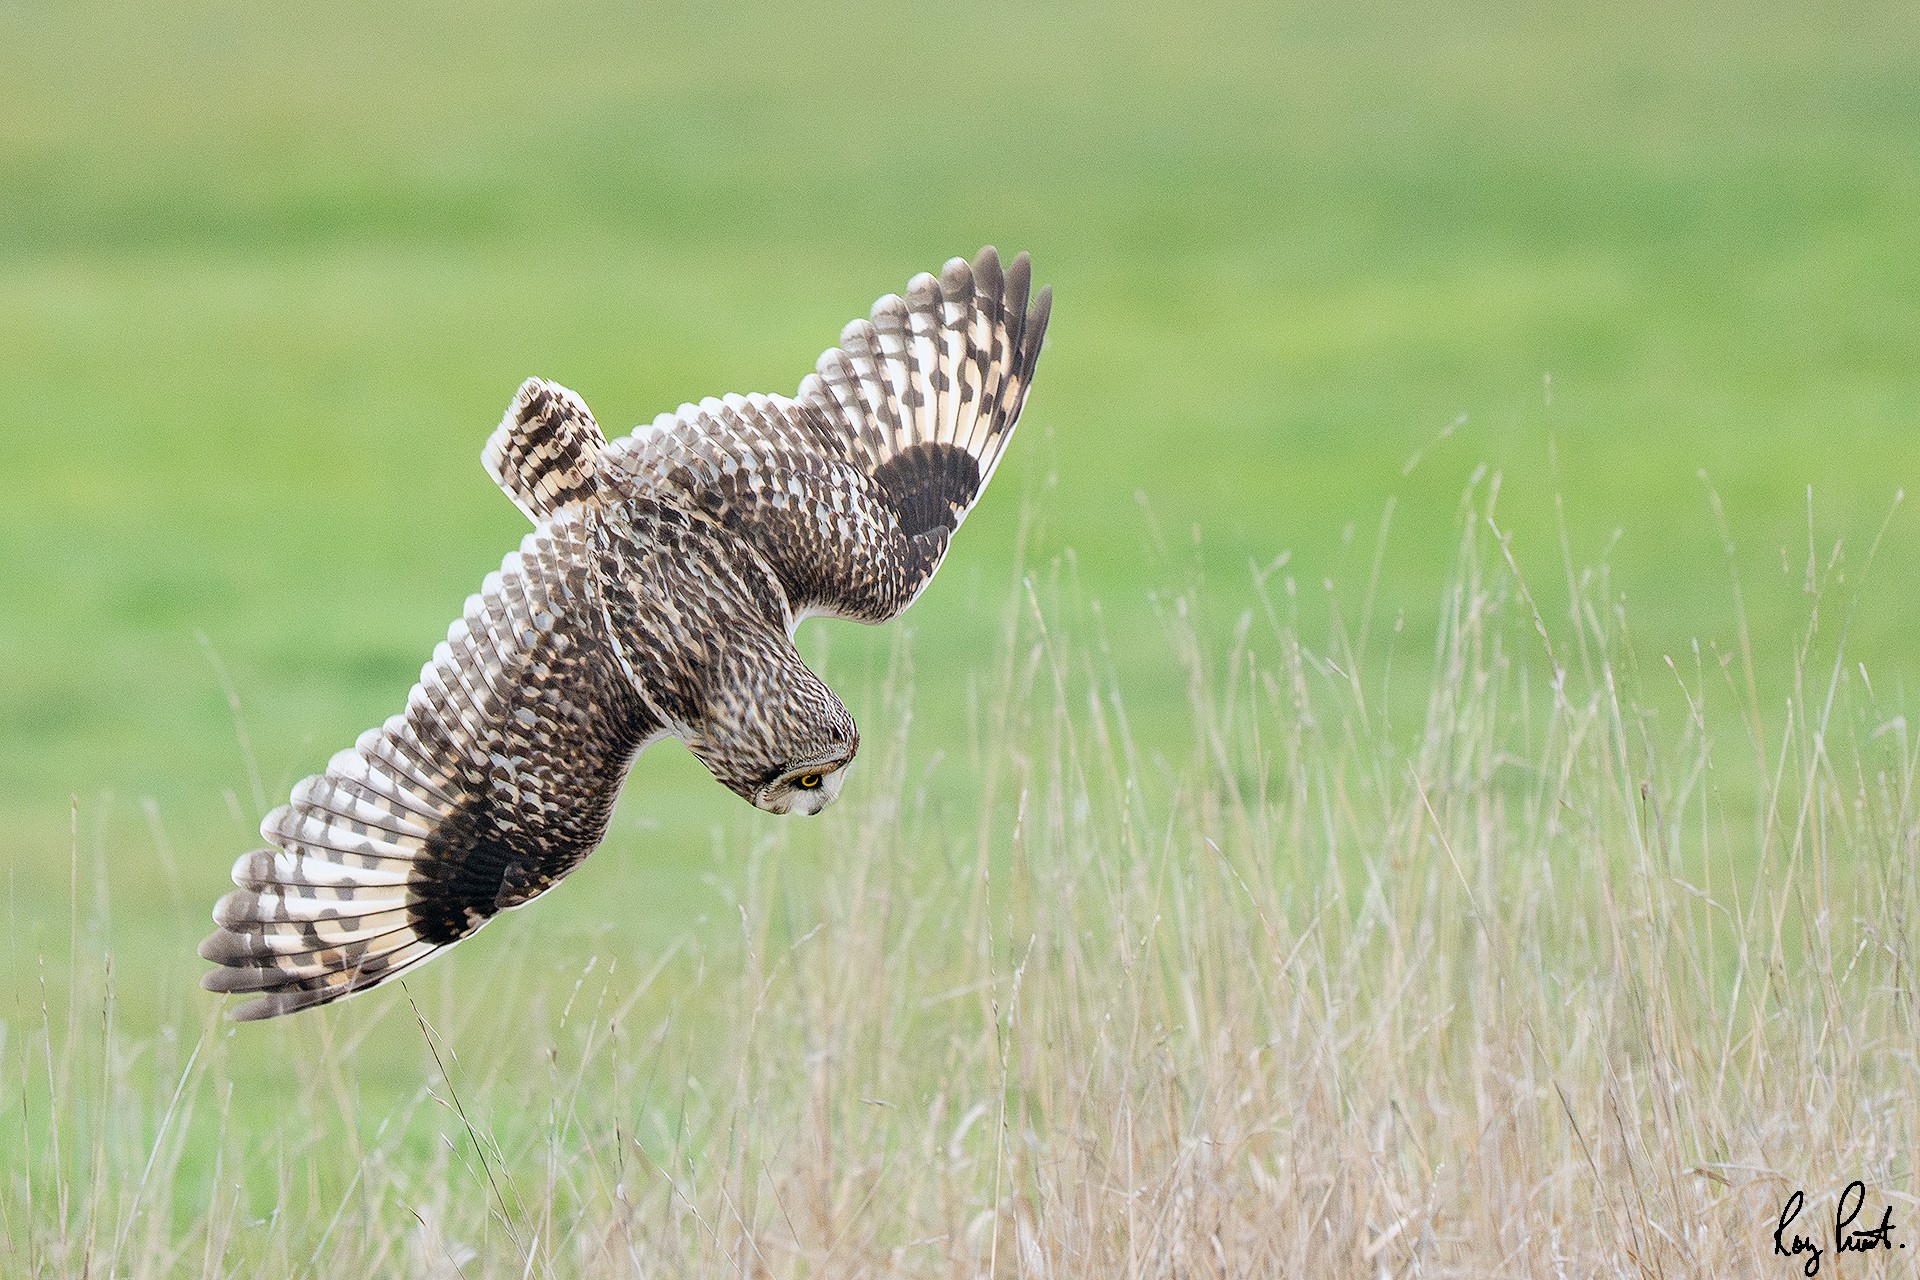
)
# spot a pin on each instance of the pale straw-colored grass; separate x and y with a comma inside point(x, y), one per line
point(1555, 959)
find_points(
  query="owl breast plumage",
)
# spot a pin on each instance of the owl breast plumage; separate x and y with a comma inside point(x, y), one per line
point(656, 596)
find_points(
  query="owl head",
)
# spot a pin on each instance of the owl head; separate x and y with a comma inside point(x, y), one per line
point(776, 736)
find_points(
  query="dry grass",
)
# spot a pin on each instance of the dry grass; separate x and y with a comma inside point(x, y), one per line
point(1554, 961)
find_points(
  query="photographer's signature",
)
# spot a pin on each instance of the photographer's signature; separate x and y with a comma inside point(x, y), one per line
point(1846, 1237)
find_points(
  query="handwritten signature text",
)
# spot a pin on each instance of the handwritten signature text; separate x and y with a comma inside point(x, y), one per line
point(1846, 1237)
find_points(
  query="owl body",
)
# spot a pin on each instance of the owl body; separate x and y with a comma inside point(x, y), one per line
point(697, 620)
point(656, 596)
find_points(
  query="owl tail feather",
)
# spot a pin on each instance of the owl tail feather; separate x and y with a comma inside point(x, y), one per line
point(545, 451)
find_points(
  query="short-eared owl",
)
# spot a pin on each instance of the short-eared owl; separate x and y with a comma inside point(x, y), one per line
point(656, 596)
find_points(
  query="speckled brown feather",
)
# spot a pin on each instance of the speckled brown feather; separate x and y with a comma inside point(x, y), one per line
point(657, 594)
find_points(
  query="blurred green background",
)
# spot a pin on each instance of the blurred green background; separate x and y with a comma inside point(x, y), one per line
point(269, 275)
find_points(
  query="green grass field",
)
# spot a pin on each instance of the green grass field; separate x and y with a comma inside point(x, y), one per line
point(268, 279)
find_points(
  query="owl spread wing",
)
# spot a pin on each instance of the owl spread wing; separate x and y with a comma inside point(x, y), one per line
point(852, 489)
point(495, 782)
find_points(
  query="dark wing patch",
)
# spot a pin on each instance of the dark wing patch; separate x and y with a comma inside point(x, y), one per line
point(930, 485)
point(494, 783)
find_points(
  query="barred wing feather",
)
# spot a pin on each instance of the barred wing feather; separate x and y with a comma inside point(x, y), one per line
point(496, 781)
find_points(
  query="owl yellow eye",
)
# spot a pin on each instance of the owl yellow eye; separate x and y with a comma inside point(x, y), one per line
point(807, 781)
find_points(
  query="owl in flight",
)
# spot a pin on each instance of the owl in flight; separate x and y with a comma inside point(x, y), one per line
point(656, 596)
